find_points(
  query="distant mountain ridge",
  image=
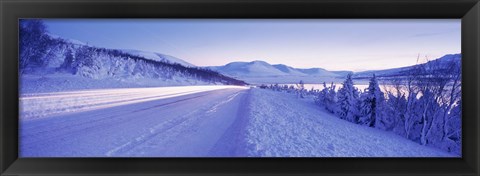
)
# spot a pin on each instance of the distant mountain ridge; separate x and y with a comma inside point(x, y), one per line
point(262, 72)
point(447, 59)
point(259, 72)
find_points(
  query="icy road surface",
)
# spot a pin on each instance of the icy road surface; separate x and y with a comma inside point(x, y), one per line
point(197, 121)
point(168, 121)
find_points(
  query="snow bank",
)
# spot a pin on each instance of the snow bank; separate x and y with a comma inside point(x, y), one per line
point(282, 125)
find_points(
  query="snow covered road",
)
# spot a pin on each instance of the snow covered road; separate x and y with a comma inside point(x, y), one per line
point(41, 105)
point(130, 122)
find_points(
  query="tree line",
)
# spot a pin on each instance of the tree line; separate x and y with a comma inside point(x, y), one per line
point(423, 105)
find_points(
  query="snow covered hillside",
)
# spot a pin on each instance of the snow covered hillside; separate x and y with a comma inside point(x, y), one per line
point(248, 69)
point(159, 57)
point(46, 57)
point(276, 127)
point(60, 82)
point(261, 72)
point(68, 66)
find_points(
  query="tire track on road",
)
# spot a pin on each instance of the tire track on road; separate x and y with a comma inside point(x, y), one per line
point(101, 122)
point(187, 120)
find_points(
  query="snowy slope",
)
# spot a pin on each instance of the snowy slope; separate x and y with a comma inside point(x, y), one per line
point(400, 71)
point(159, 57)
point(342, 73)
point(60, 82)
point(249, 69)
point(72, 41)
point(146, 54)
point(282, 125)
point(261, 72)
point(318, 72)
point(289, 70)
point(72, 65)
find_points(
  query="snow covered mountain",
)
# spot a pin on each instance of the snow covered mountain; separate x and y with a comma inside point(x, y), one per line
point(158, 57)
point(342, 73)
point(318, 72)
point(249, 69)
point(441, 62)
point(263, 72)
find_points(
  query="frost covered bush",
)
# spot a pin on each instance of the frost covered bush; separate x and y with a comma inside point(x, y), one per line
point(320, 99)
point(422, 105)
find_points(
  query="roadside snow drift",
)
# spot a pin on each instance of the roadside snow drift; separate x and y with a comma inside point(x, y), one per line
point(282, 125)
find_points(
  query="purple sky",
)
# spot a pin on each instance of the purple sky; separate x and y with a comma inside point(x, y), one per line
point(331, 44)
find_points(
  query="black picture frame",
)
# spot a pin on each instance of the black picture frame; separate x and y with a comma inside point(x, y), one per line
point(466, 10)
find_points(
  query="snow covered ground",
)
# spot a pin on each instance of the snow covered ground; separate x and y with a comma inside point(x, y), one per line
point(196, 121)
point(159, 57)
point(281, 124)
point(60, 82)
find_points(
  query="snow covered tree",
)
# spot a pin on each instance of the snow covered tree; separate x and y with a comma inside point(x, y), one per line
point(373, 107)
point(331, 99)
point(300, 91)
point(33, 43)
point(425, 101)
point(285, 88)
point(320, 99)
point(312, 91)
point(452, 141)
point(276, 87)
point(347, 100)
point(433, 84)
point(394, 108)
point(412, 113)
point(86, 62)
point(452, 98)
point(372, 104)
point(291, 89)
point(68, 62)
point(430, 111)
point(403, 105)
